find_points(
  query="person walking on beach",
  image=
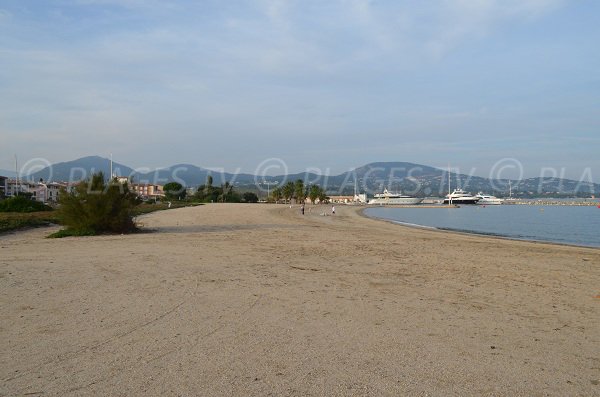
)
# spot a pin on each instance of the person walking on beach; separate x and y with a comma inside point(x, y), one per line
point(302, 209)
point(332, 210)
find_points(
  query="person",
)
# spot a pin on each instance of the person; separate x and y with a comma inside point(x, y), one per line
point(302, 209)
point(332, 210)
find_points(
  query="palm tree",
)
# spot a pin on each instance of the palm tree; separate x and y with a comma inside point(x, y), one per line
point(299, 191)
point(323, 197)
point(276, 194)
point(288, 191)
point(314, 193)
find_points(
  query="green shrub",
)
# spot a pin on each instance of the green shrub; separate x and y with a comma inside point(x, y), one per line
point(10, 221)
point(22, 204)
point(174, 191)
point(72, 233)
point(250, 197)
point(94, 207)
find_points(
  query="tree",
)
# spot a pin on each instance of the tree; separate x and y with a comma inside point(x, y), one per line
point(288, 191)
point(314, 193)
point(225, 193)
point(174, 191)
point(94, 207)
point(276, 194)
point(228, 195)
point(250, 197)
point(207, 193)
point(323, 198)
point(299, 191)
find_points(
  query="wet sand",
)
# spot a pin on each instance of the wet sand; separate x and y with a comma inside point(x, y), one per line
point(260, 300)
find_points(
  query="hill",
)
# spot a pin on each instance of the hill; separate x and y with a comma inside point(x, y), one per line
point(79, 169)
point(191, 175)
point(7, 173)
point(409, 178)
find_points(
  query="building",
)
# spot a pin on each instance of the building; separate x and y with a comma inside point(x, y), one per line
point(15, 188)
point(47, 192)
point(40, 191)
point(341, 199)
point(357, 198)
point(122, 179)
point(361, 198)
point(3, 183)
point(147, 191)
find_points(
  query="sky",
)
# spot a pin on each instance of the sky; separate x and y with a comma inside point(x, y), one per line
point(506, 88)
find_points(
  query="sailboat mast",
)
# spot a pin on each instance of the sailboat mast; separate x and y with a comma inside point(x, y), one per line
point(449, 194)
point(17, 176)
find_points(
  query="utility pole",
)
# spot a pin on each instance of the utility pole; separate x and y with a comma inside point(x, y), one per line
point(268, 190)
point(17, 186)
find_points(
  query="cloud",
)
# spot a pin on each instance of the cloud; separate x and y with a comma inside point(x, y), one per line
point(296, 76)
point(454, 22)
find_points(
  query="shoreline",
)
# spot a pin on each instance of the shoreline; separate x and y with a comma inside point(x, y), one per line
point(251, 299)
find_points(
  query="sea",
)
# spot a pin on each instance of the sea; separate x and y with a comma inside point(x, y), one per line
point(575, 225)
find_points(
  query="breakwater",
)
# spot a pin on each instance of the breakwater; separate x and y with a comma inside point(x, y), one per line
point(588, 202)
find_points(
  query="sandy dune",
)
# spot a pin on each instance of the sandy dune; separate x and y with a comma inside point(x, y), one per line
point(258, 300)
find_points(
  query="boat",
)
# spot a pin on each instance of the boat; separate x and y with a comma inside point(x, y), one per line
point(486, 199)
point(394, 198)
point(459, 196)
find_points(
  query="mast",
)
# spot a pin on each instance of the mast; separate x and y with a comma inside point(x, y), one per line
point(449, 194)
point(111, 168)
point(17, 186)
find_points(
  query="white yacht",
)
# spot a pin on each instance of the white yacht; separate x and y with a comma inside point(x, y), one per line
point(485, 199)
point(394, 198)
point(459, 196)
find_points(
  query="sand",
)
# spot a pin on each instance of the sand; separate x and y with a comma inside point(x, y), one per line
point(228, 299)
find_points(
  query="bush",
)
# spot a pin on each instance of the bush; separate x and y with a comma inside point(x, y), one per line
point(10, 221)
point(95, 207)
point(174, 191)
point(72, 233)
point(250, 197)
point(22, 204)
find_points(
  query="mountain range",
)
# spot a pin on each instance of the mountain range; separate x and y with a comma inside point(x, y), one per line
point(410, 178)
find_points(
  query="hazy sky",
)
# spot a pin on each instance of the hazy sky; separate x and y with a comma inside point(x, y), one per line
point(325, 84)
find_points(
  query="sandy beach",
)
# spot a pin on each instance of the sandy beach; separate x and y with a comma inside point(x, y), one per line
point(228, 299)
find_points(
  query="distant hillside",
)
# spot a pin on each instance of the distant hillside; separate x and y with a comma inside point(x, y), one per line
point(409, 178)
point(79, 169)
point(191, 175)
point(7, 173)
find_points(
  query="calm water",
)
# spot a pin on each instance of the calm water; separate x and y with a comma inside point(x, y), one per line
point(560, 224)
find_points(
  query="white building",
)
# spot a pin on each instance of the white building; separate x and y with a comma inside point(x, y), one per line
point(40, 191)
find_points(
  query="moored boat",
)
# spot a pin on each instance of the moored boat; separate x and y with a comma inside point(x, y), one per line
point(394, 198)
point(486, 199)
point(459, 196)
